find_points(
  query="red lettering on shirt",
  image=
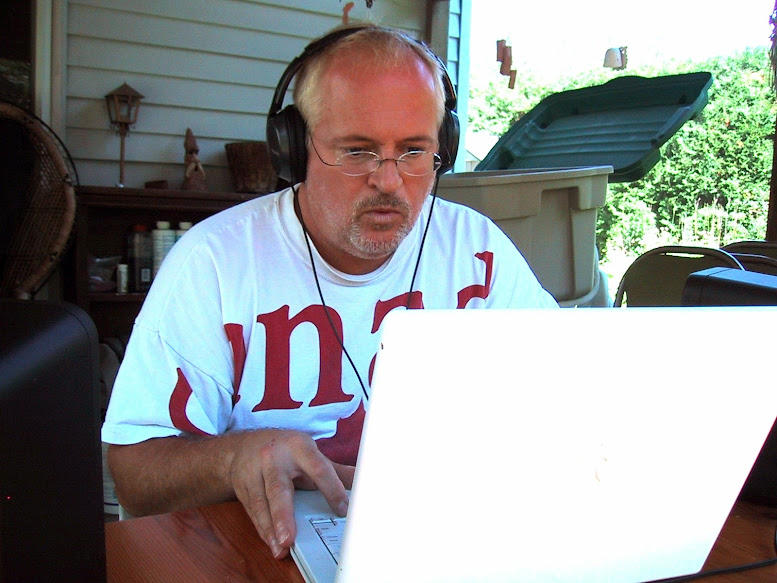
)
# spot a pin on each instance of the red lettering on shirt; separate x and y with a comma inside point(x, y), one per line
point(279, 327)
point(384, 307)
point(343, 446)
point(177, 407)
point(235, 337)
point(477, 290)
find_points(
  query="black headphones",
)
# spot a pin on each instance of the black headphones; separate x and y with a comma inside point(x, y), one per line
point(287, 133)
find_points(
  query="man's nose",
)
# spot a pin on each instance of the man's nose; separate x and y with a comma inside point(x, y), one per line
point(386, 177)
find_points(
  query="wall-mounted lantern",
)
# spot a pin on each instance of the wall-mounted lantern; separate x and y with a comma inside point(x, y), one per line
point(123, 106)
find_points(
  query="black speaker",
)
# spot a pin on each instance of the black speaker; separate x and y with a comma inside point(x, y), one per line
point(51, 483)
point(286, 130)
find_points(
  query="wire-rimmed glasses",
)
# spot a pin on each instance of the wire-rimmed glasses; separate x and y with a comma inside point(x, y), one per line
point(363, 162)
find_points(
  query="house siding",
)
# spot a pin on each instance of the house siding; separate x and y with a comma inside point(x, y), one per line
point(208, 65)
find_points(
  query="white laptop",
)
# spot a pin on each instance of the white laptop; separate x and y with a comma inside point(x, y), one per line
point(579, 445)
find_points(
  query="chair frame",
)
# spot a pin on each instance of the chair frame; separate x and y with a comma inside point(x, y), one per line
point(753, 247)
point(757, 263)
point(725, 258)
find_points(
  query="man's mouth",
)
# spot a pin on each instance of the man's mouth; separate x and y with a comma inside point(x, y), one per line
point(384, 214)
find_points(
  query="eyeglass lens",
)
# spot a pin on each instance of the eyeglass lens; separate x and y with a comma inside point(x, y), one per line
point(410, 163)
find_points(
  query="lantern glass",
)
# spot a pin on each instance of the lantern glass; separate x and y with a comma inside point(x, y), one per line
point(123, 105)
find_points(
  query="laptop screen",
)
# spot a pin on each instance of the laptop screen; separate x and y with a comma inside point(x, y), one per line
point(555, 445)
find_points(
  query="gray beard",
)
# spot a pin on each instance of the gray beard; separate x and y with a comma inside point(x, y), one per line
point(367, 248)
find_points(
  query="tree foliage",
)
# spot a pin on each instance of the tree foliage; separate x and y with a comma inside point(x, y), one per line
point(711, 185)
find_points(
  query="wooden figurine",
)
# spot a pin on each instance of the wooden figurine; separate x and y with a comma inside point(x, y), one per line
point(194, 176)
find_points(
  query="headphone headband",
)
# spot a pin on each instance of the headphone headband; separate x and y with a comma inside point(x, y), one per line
point(287, 131)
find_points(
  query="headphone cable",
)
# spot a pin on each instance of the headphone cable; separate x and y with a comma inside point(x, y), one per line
point(423, 241)
point(321, 295)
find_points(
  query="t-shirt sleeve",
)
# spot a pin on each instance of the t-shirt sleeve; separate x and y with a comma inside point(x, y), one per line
point(176, 376)
point(158, 393)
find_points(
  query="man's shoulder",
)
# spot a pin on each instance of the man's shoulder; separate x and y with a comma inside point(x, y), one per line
point(262, 203)
point(257, 210)
point(454, 212)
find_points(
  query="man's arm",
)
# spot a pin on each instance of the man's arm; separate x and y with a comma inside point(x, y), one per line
point(260, 468)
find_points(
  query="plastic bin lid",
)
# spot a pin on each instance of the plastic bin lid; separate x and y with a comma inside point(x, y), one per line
point(621, 123)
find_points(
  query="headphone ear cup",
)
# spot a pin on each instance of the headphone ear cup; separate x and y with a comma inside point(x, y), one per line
point(449, 140)
point(286, 136)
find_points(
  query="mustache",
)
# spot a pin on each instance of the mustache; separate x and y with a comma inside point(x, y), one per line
point(382, 200)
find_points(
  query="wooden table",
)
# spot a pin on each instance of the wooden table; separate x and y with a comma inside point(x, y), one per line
point(219, 543)
point(212, 543)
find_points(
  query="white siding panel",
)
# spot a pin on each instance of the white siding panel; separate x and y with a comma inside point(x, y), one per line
point(168, 62)
point(86, 114)
point(104, 145)
point(231, 14)
point(195, 36)
point(205, 95)
point(301, 18)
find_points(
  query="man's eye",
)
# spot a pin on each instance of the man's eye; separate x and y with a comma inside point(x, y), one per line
point(359, 154)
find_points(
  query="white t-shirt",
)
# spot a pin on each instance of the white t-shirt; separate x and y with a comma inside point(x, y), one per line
point(233, 334)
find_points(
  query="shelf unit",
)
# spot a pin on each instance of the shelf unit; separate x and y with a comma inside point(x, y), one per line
point(104, 218)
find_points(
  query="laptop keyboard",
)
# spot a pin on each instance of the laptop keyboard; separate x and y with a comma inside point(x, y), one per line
point(331, 532)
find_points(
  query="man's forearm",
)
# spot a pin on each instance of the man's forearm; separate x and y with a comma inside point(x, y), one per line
point(171, 473)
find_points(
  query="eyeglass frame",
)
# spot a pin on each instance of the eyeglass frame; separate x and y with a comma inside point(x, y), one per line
point(435, 166)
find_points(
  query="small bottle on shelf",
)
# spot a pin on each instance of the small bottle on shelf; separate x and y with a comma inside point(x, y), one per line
point(140, 259)
point(164, 238)
point(122, 278)
point(183, 226)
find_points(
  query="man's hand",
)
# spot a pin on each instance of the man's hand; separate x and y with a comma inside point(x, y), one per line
point(266, 467)
point(261, 468)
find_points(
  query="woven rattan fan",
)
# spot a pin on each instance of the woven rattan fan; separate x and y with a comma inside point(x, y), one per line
point(37, 201)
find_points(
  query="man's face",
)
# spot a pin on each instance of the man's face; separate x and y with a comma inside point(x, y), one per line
point(357, 222)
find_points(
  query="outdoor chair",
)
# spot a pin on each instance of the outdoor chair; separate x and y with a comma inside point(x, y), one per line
point(38, 204)
point(657, 277)
point(766, 248)
point(759, 263)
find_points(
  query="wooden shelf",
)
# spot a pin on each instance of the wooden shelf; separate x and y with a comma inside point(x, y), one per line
point(104, 218)
point(110, 297)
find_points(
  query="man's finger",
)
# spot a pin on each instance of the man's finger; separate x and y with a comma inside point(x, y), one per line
point(279, 489)
point(331, 486)
point(256, 505)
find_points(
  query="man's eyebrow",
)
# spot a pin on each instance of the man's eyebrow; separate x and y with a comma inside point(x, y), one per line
point(352, 138)
point(421, 138)
point(368, 140)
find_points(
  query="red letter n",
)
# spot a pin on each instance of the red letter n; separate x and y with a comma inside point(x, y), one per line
point(279, 327)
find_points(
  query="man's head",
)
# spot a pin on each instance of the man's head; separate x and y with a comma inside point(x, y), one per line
point(286, 127)
point(381, 94)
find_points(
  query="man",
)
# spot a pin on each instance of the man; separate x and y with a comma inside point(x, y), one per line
point(248, 368)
